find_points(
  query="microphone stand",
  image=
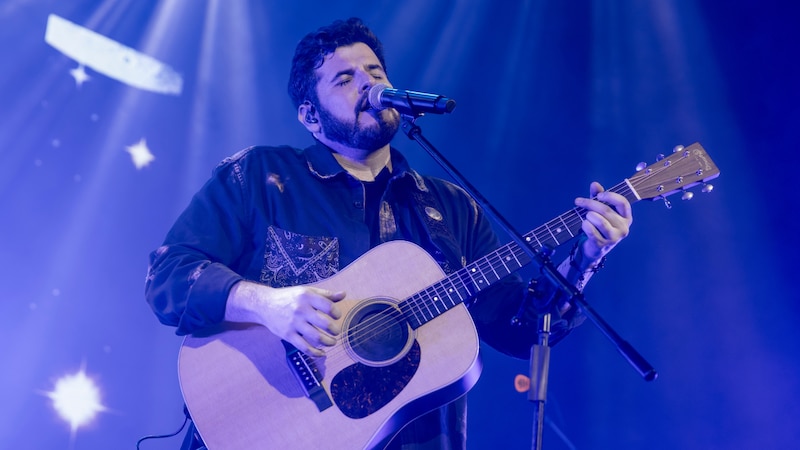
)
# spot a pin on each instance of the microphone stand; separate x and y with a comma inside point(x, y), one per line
point(540, 352)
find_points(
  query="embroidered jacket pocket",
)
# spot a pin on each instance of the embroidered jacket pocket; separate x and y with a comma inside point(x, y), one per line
point(291, 259)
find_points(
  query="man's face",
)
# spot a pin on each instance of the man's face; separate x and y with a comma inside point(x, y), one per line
point(345, 116)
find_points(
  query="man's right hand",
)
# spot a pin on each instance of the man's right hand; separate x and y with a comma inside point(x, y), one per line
point(304, 316)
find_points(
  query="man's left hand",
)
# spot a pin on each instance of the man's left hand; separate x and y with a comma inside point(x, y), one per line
point(608, 221)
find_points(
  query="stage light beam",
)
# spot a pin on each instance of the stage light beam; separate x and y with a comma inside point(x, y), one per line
point(109, 57)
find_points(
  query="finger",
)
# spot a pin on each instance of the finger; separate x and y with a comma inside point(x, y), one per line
point(320, 312)
point(333, 296)
point(594, 205)
point(303, 345)
point(598, 226)
point(609, 229)
point(323, 321)
point(324, 302)
point(314, 336)
point(597, 244)
point(613, 207)
point(619, 203)
point(595, 188)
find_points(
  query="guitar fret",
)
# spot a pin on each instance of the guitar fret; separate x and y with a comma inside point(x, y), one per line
point(563, 232)
point(494, 271)
point(481, 282)
point(408, 313)
point(466, 281)
point(447, 293)
point(487, 262)
point(416, 310)
point(505, 266)
point(499, 264)
point(441, 298)
point(571, 234)
point(516, 261)
point(533, 235)
point(426, 304)
point(436, 298)
point(453, 289)
point(547, 226)
point(458, 290)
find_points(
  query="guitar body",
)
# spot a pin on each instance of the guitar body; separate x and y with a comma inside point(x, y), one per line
point(242, 393)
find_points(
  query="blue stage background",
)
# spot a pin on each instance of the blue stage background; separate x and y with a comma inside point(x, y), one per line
point(551, 95)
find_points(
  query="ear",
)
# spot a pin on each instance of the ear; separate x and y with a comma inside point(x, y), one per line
point(307, 115)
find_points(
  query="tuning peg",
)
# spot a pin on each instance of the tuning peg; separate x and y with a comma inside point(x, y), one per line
point(687, 195)
point(667, 203)
point(677, 148)
point(641, 166)
point(707, 188)
point(659, 157)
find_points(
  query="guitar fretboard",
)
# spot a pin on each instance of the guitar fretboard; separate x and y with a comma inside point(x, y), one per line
point(471, 279)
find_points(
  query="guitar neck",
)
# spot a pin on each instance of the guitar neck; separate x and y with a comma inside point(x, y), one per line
point(471, 279)
point(683, 169)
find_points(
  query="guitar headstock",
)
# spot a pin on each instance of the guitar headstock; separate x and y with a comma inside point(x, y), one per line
point(684, 168)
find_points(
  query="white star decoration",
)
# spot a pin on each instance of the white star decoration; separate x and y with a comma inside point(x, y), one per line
point(80, 75)
point(140, 154)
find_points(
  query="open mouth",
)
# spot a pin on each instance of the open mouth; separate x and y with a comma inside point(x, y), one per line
point(365, 106)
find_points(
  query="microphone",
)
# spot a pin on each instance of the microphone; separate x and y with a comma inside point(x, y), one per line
point(409, 102)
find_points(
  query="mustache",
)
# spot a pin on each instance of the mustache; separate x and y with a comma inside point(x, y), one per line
point(363, 103)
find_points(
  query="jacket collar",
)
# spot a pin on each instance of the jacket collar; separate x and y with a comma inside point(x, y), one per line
point(323, 165)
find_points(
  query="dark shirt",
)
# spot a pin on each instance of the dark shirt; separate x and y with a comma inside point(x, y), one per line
point(283, 216)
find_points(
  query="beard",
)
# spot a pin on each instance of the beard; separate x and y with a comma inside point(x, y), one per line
point(352, 134)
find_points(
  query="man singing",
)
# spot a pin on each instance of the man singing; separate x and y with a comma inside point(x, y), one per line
point(272, 220)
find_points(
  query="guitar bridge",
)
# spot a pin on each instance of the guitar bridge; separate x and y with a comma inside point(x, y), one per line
point(308, 375)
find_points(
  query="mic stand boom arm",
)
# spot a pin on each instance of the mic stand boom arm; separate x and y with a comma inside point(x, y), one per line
point(540, 352)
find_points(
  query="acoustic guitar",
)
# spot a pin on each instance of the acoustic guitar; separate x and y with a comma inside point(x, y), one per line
point(408, 343)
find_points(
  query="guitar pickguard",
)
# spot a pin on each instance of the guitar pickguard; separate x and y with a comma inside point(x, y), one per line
point(360, 390)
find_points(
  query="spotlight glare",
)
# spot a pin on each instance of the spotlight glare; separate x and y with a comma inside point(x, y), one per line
point(76, 399)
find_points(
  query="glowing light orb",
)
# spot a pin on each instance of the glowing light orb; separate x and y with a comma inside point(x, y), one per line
point(76, 399)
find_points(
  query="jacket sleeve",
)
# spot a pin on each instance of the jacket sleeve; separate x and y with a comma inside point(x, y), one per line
point(190, 275)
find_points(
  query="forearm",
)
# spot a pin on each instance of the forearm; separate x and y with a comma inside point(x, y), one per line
point(243, 302)
point(577, 268)
point(187, 292)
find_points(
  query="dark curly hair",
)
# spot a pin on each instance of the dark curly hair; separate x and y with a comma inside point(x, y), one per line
point(312, 49)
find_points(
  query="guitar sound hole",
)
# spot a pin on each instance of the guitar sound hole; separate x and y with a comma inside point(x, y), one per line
point(378, 333)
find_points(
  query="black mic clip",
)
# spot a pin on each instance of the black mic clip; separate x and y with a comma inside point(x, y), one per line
point(537, 298)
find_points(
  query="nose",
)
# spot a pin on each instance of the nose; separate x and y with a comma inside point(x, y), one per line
point(366, 85)
point(366, 81)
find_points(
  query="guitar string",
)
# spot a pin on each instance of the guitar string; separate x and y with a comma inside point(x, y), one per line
point(418, 303)
point(394, 316)
point(382, 321)
point(437, 292)
point(436, 295)
point(424, 303)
